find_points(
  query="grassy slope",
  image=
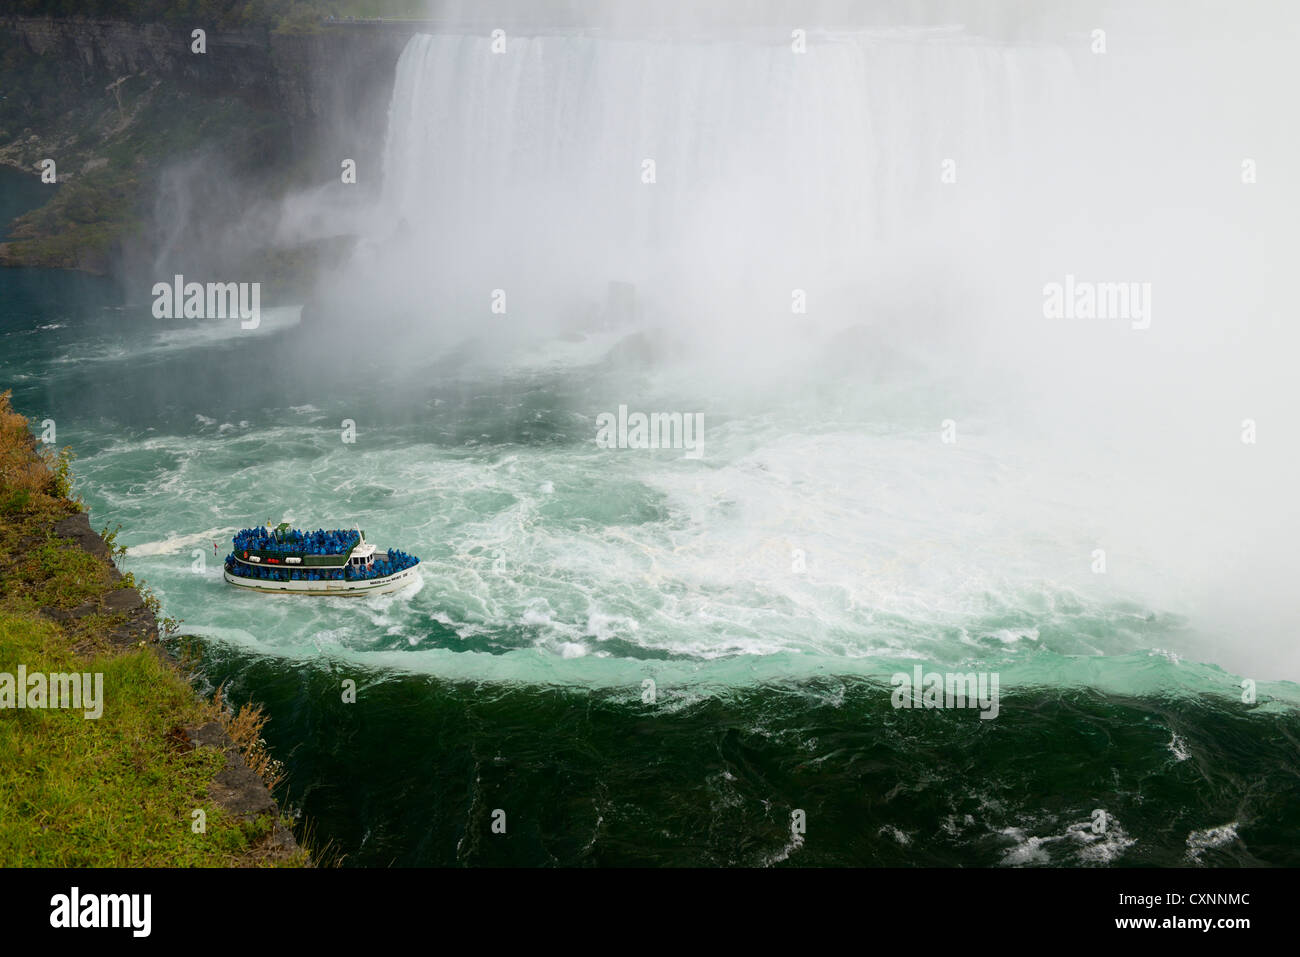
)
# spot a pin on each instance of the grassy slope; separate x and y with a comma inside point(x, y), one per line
point(119, 790)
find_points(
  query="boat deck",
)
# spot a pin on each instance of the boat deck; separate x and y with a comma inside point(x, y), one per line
point(340, 587)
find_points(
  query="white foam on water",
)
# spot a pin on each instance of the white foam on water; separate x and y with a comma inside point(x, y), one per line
point(795, 843)
point(1178, 748)
point(155, 337)
point(899, 837)
point(179, 334)
point(1198, 842)
point(1079, 843)
point(182, 542)
point(1027, 850)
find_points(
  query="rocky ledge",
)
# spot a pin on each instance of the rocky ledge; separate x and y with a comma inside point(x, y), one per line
point(237, 788)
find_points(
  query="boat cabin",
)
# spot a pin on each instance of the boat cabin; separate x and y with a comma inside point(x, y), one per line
point(363, 556)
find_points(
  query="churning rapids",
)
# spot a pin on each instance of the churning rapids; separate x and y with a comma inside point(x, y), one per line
point(882, 484)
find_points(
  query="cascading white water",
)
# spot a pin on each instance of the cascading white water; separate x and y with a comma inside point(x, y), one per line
point(772, 168)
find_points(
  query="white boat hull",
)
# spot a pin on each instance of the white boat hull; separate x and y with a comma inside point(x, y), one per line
point(344, 589)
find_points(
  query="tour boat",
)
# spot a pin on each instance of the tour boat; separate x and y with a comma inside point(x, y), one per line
point(285, 560)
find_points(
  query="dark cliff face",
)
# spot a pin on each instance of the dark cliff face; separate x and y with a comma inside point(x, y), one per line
point(339, 74)
point(167, 155)
point(335, 86)
point(89, 47)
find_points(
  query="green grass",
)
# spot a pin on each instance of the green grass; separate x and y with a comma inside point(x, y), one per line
point(119, 790)
point(114, 791)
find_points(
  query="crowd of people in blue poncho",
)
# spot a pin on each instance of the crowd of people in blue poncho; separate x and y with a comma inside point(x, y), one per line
point(395, 562)
point(295, 542)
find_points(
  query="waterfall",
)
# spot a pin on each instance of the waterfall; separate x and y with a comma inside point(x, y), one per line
point(717, 167)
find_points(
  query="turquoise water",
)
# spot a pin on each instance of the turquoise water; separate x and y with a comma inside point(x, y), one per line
point(19, 192)
point(558, 577)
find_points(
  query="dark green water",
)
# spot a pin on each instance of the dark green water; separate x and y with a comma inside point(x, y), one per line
point(19, 192)
point(414, 775)
point(558, 578)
